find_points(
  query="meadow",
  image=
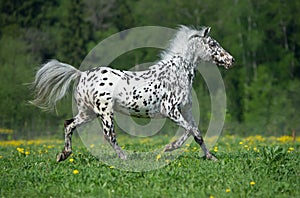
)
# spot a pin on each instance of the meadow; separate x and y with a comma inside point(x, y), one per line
point(253, 166)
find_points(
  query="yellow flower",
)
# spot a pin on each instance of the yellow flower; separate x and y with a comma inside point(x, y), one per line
point(71, 160)
point(179, 164)
point(211, 196)
point(21, 150)
point(291, 149)
point(92, 145)
point(227, 190)
point(241, 143)
point(158, 157)
point(186, 150)
point(215, 149)
point(187, 145)
point(75, 172)
point(255, 149)
point(1, 156)
point(194, 148)
point(252, 183)
point(27, 152)
point(112, 167)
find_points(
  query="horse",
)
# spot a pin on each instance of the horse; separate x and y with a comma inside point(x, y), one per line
point(163, 90)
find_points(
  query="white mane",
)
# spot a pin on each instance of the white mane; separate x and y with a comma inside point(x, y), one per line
point(179, 43)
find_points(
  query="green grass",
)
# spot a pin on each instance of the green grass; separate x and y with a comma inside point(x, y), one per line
point(28, 169)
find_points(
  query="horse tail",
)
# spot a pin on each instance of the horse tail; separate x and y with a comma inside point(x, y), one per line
point(51, 83)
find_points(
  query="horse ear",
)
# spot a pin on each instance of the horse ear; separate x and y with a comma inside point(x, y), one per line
point(206, 31)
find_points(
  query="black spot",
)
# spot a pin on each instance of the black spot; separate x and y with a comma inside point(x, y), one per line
point(105, 78)
point(145, 103)
point(101, 84)
point(110, 84)
point(103, 108)
point(104, 71)
point(102, 94)
point(115, 73)
point(90, 78)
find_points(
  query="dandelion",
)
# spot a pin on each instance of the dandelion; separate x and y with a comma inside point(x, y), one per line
point(211, 196)
point(194, 148)
point(158, 157)
point(187, 145)
point(27, 152)
point(123, 147)
point(291, 149)
point(241, 143)
point(75, 172)
point(215, 149)
point(21, 150)
point(227, 190)
point(285, 138)
point(252, 183)
point(111, 167)
point(92, 145)
point(71, 160)
point(255, 149)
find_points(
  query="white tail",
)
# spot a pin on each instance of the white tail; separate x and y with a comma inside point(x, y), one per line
point(51, 83)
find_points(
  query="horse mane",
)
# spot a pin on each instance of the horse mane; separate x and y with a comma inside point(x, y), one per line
point(179, 43)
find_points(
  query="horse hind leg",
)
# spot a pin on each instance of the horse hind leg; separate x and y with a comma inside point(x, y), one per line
point(70, 125)
point(107, 120)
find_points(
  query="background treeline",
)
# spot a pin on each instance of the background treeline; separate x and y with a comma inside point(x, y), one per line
point(262, 89)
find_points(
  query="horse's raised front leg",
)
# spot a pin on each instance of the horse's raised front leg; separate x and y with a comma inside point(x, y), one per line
point(177, 143)
point(177, 117)
point(187, 114)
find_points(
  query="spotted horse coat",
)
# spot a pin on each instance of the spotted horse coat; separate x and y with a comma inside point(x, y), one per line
point(164, 90)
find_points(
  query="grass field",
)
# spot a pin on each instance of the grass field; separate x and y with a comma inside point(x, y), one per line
point(253, 166)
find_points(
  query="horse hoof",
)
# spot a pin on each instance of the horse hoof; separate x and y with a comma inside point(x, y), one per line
point(211, 157)
point(60, 157)
point(169, 147)
point(123, 156)
point(63, 156)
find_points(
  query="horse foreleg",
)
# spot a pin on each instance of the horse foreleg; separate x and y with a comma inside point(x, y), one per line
point(198, 138)
point(177, 143)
